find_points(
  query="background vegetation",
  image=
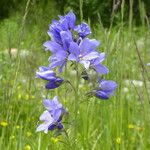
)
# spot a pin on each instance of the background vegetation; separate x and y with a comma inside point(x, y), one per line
point(120, 123)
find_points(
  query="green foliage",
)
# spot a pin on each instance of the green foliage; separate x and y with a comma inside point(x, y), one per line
point(105, 10)
point(89, 10)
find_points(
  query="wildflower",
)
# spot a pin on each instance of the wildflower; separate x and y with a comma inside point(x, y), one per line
point(118, 140)
point(55, 139)
point(3, 123)
point(97, 66)
point(85, 53)
point(83, 30)
point(65, 23)
point(105, 89)
point(27, 147)
point(52, 116)
point(47, 74)
point(59, 52)
point(17, 127)
point(131, 126)
point(28, 134)
point(12, 137)
point(19, 96)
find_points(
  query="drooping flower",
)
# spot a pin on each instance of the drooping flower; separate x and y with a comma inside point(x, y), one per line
point(52, 116)
point(105, 89)
point(47, 74)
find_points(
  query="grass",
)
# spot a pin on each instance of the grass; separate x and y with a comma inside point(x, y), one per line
point(119, 123)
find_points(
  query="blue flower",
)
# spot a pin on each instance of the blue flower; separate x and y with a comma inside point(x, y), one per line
point(70, 19)
point(105, 89)
point(52, 116)
point(83, 30)
point(59, 52)
point(85, 54)
point(65, 23)
point(47, 74)
point(97, 66)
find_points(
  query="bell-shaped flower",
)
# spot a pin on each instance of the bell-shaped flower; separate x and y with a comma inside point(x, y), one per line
point(48, 75)
point(105, 89)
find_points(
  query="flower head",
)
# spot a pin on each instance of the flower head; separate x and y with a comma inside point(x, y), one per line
point(83, 30)
point(52, 116)
point(105, 89)
point(59, 51)
point(47, 74)
point(65, 23)
point(85, 54)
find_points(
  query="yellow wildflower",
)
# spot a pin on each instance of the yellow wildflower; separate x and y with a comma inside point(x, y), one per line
point(28, 134)
point(118, 140)
point(17, 127)
point(12, 137)
point(19, 96)
point(131, 126)
point(27, 147)
point(55, 140)
point(18, 87)
point(3, 123)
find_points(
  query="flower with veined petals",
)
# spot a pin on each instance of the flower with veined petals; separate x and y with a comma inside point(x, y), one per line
point(48, 75)
point(52, 116)
point(105, 89)
point(85, 54)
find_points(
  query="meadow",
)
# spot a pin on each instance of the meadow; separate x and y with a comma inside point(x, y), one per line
point(120, 123)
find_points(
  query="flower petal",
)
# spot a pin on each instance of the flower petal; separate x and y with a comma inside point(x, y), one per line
point(101, 69)
point(85, 63)
point(53, 46)
point(66, 38)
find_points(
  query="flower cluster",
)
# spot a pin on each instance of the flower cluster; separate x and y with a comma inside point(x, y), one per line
point(69, 42)
point(52, 116)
